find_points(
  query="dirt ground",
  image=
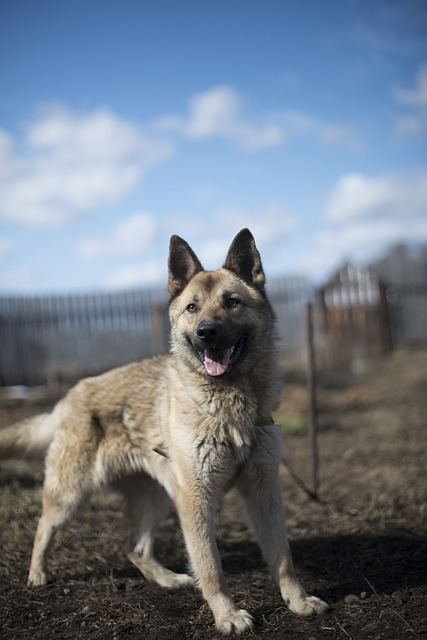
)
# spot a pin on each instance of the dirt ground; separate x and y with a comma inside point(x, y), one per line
point(362, 547)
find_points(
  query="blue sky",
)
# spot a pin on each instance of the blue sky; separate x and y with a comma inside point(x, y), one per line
point(122, 123)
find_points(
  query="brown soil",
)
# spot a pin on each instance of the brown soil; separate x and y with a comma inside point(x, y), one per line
point(362, 546)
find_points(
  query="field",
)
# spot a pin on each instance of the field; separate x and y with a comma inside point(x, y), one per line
point(362, 546)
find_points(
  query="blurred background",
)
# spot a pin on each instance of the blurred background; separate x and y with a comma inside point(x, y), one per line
point(122, 123)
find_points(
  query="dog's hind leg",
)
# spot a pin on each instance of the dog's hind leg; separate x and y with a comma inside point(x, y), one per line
point(148, 504)
point(54, 515)
point(68, 480)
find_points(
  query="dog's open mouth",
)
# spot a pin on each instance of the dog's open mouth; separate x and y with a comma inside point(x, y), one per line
point(217, 362)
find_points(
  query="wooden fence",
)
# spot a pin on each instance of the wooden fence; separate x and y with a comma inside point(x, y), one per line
point(50, 340)
point(355, 316)
point(59, 339)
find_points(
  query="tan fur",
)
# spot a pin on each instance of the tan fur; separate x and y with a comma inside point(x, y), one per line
point(176, 428)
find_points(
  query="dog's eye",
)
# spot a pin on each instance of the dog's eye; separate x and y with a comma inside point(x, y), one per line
point(191, 308)
point(232, 303)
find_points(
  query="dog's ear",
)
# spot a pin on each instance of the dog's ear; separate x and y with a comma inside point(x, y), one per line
point(183, 265)
point(244, 260)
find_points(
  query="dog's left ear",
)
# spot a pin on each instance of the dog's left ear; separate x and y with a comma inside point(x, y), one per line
point(183, 265)
point(244, 260)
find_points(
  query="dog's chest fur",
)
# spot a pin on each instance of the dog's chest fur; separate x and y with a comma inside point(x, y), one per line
point(210, 429)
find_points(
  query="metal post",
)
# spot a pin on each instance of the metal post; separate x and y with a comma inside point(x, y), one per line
point(311, 384)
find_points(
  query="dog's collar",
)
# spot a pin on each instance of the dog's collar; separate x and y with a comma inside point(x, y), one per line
point(264, 421)
point(161, 452)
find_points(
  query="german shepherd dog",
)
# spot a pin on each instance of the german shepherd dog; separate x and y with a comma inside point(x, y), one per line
point(183, 427)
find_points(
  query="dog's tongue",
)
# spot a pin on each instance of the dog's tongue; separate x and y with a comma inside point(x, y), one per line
point(216, 361)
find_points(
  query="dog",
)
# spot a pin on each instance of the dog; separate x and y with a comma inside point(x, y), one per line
point(181, 428)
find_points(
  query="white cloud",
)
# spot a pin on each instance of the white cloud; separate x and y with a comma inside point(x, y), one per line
point(336, 134)
point(360, 241)
point(217, 113)
point(138, 234)
point(298, 124)
point(398, 195)
point(270, 223)
point(149, 273)
point(366, 215)
point(72, 164)
point(410, 125)
point(131, 236)
point(416, 100)
point(416, 97)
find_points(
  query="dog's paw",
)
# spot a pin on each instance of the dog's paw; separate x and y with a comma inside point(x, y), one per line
point(37, 578)
point(308, 605)
point(177, 580)
point(237, 622)
point(155, 572)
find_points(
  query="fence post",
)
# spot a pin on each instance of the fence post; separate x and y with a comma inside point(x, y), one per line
point(159, 328)
point(311, 383)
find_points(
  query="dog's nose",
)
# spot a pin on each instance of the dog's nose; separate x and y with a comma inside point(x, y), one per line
point(209, 331)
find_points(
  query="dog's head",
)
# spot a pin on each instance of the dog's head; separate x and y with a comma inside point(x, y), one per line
point(220, 320)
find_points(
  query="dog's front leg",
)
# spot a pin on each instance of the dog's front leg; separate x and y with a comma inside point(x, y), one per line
point(196, 508)
point(259, 485)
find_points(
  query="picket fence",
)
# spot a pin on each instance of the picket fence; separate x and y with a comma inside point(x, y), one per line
point(56, 340)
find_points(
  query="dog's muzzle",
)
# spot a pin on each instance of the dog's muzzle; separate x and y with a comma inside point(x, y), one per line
point(212, 348)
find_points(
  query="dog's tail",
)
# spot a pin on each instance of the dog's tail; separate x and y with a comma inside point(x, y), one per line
point(29, 438)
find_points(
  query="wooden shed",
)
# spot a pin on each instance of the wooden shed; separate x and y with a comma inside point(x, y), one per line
point(354, 313)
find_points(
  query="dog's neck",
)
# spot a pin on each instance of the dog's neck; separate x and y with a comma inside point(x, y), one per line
point(250, 398)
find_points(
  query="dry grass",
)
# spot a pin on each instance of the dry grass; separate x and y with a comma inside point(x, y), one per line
point(362, 547)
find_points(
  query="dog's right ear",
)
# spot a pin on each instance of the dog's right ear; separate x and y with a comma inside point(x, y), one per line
point(183, 265)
